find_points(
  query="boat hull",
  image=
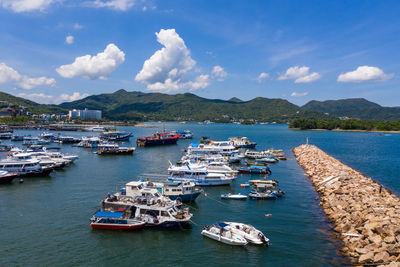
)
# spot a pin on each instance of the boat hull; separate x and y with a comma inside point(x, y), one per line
point(7, 179)
point(222, 239)
point(186, 197)
point(106, 226)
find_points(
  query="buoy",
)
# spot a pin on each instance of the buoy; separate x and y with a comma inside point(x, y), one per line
point(21, 181)
point(268, 215)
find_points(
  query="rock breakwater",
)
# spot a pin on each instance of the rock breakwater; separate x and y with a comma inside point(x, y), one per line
point(366, 215)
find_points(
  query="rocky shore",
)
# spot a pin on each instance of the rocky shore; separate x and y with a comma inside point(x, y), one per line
point(366, 216)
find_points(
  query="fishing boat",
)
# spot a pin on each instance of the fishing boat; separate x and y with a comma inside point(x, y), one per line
point(199, 175)
point(7, 177)
point(115, 136)
point(262, 195)
point(234, 196)
point(109, 149)
point(219, 233)
point(158, 139)
point(242, 142)
point(255, 170)
point(247, 231)
point(89, 142)
point(114, 221)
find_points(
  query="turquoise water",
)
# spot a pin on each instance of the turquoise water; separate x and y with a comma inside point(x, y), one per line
point(45, 221)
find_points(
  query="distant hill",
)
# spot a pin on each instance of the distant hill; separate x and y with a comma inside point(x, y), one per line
point(33, 107)
point(123, 105)
point(358, 108)
point(139, 106)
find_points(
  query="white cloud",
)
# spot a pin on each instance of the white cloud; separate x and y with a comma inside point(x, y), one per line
point(363, 74)
point(219, 73)
point(8, 74)
point(75, 96)
point(29, 83)
point(78, 26)
point(164, 71)
point(26, 5)
point(295, 94)
point(308, 78)
point(69, 39)
point(262, 76)
point(49, 99)
point(94, 67)
point(300, 75)
point(121, 5)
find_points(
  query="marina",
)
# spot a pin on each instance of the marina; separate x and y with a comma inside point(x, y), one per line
point(82, 189)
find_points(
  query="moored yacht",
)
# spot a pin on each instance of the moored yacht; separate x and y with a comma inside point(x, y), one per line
point(199, 175)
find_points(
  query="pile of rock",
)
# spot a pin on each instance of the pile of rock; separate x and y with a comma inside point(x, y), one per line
point(366, 216)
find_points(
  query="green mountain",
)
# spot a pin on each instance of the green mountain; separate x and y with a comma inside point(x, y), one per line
point(357, 108)
point(123, 105)
point(33, 107)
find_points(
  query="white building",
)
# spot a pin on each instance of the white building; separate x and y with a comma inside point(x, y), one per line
point(85, 114)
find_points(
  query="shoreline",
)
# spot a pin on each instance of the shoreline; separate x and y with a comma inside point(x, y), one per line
point(364, 214)
point(343, 130)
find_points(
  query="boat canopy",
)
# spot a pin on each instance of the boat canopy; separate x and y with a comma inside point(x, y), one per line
point(109, 214)
point(221, 224)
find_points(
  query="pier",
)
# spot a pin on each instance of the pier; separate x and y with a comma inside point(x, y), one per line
point(365, 215)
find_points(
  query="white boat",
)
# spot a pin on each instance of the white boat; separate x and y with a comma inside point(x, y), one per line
point(97, 128)
point(220, 233)
point(242, 142)
point(213, 167)
point(248, 232)
point(24, 168)
point(89, 142)
point(147, 205)
point(199, 175)
point(234, 196)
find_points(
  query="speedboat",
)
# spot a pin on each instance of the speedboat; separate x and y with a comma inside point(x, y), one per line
point(218, 232)
point(262, 195)
point(234, 196)
point(114, 221)
point(248, 232)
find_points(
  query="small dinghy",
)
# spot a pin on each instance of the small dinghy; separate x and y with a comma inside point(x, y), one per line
point(248, 232)
point(219, 233)
point(234, 196)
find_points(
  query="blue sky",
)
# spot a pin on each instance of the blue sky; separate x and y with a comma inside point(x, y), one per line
point(297, 50)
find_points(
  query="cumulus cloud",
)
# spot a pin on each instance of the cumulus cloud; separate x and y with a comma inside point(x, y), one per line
point(94, 67)
point(69, 39)
point(363, 74)
point(121, 5)
point(19, 6)
point(8, 74)
point(262, 76)
point(50, 99)
point(29, 83)
point(219, 73)
point(300, 75)
point(164, 71)
point(295, 94)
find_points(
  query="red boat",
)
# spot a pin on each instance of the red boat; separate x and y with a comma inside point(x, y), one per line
point(158, 139)
point(114, 221)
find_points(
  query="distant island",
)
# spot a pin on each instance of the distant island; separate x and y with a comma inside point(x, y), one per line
point(138, 106)
point(346, 125)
